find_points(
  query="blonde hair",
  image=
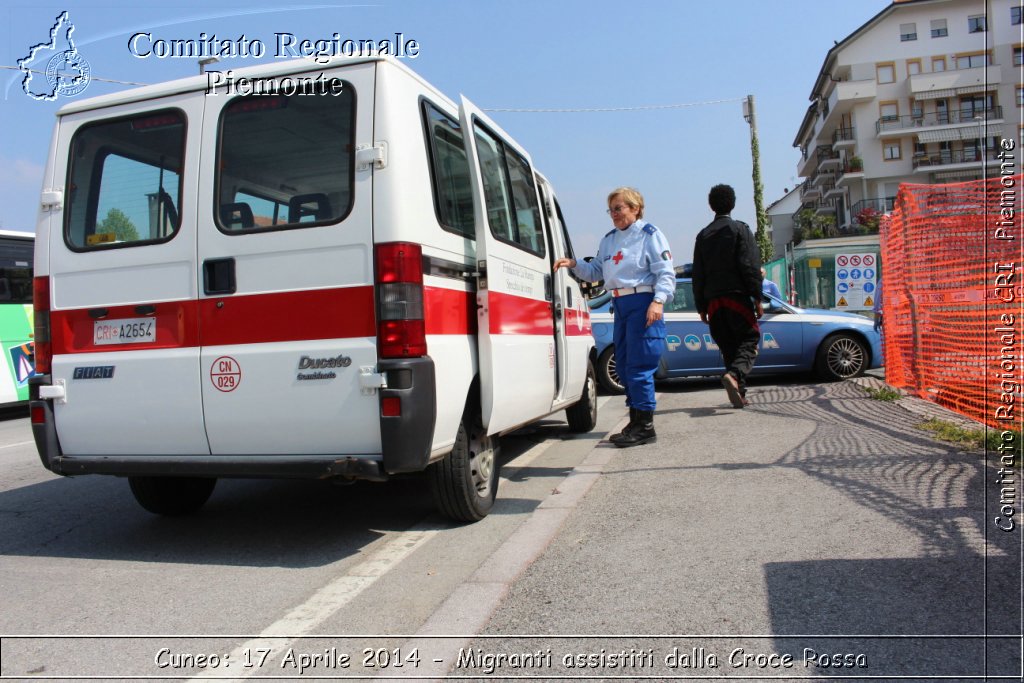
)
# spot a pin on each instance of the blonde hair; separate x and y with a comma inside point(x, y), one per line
point(631, 197)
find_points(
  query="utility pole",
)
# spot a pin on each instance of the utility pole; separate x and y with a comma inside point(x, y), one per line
point(761, 234)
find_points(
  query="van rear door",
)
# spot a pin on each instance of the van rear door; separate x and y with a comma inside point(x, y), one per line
point(123, 315)
point(286, 302)
point(514, 293)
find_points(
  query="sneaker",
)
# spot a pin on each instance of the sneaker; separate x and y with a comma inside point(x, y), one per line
point(732, 388)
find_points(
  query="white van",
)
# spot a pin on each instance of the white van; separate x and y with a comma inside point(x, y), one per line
point(326, 279)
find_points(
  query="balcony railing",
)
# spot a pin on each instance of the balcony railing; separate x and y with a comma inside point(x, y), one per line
point(948, 157)
point(842, 135)
point(890, 123)
point(827, 158)
point(879, 205)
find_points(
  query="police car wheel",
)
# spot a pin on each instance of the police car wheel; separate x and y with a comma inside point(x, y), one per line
point(606, 374)
point(465, 482)
point(582, 415)
point(171, 496)
point(841, 356)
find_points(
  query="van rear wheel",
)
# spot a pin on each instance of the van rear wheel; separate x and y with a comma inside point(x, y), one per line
point(171, 496)
point(465, 482)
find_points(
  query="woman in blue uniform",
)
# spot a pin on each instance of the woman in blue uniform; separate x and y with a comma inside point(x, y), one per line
point(635, 262)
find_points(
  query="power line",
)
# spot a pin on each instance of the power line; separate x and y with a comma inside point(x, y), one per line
point(92, 78)
point(605, 109)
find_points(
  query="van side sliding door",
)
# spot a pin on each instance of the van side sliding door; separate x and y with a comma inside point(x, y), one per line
point(515, 291)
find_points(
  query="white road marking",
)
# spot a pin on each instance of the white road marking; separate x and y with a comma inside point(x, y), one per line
point(303, 619)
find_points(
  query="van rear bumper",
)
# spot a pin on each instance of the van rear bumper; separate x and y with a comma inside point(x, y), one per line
point(406, 438)
point(221, 466)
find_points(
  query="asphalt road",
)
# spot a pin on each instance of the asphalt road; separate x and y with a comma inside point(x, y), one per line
point(816, 522)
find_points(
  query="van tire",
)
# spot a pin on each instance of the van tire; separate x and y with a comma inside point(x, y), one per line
point(582, 415)
point(172, 496)
point(465, 482)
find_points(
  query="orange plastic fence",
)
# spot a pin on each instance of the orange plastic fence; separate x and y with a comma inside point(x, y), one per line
point(953, 308)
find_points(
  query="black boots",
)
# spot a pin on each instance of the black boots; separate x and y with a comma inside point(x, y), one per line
point(638, 432)
point(614, 438)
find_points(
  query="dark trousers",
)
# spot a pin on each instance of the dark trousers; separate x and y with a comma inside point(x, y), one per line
point(735, 330)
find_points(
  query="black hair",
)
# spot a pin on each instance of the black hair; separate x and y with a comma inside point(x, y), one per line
point(722, 199)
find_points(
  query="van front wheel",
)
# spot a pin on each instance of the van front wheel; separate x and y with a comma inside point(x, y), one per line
point(171, 496)
point(465, 482)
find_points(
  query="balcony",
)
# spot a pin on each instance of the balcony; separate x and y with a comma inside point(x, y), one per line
point(825, 206)
point(809, 191)
point(847, 175)
point(890, 126)
point(828, 161)
point(845, 94)
point(831, 190)
point(953, 159)
point(939, 84)
point(843, 137)
point(879, 205)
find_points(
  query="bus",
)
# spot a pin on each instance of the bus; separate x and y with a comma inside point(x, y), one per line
point(16, 316)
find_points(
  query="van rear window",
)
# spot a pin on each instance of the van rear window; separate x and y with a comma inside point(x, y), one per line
point(124, 184)
point(285, 161)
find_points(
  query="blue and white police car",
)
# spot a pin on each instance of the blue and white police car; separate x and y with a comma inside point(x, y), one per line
point(831, 344)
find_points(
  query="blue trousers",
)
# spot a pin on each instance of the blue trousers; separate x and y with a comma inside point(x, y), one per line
point(638, 348)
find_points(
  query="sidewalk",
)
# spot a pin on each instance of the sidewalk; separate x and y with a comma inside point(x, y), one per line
point(816, 528)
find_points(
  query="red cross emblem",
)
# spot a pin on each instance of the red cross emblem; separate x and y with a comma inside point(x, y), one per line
point(617, 257)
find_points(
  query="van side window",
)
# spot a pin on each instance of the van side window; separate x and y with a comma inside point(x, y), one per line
point(124, 182)
point(509, 194)
point(453, 191)
point(285, 161)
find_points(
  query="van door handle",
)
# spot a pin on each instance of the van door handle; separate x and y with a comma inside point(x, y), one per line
point(219, 276)
point(548, 293)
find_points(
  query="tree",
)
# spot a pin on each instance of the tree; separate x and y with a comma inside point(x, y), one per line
point(811, 226)
point(764, 243)
point(119, 224)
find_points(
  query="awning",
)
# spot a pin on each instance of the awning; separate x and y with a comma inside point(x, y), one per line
point(972, 132)
point(952, 92)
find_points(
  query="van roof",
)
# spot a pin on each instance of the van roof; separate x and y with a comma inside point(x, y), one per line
point(200, 82)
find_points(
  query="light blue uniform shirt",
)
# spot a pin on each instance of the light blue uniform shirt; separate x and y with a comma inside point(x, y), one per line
point(769, 287)
point(632, 257)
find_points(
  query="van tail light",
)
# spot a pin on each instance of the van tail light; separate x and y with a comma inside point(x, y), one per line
point(41, 324)
point(400, 329)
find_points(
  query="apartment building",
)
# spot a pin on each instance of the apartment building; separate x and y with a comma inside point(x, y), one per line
point(921, 93)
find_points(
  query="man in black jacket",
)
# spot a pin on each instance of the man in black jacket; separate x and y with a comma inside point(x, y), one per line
point(727, 288)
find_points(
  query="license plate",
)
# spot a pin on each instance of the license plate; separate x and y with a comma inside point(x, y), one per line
point(124, 331)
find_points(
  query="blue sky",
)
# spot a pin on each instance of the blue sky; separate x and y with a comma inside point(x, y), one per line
point(541, 54)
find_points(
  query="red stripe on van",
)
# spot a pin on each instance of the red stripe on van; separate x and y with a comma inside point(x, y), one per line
point(449, 311)
point(176, 326)
point(577, 324)
point(339, 313)
point(512, 314)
